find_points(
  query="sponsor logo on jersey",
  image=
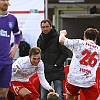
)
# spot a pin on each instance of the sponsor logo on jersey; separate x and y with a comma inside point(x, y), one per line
point(10, 24)
point(14, 69)
point(4, 33)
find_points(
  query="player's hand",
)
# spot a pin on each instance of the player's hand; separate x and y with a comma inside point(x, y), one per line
point(62, 36)
point(13, 51)
point(51, 90)
point(63, 32)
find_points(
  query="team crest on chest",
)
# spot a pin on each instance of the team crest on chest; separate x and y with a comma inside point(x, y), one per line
point(10, 24)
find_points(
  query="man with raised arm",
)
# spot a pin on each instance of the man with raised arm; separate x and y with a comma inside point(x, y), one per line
point(84, 64)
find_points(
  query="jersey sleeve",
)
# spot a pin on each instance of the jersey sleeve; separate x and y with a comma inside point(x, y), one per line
point(42, 79)
point(71, 43)
point(16, 66)
point(16, 32)
point(17, 39)
point(15, 29)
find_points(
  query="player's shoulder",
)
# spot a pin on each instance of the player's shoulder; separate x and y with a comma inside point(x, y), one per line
point(40, 63)
point(23, 59)
point(11, 15)
point(78, 41)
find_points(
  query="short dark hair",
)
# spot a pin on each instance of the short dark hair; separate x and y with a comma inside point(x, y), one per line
point(46, 20)
point(34, 51)
point(91, 33)
point(53, 96)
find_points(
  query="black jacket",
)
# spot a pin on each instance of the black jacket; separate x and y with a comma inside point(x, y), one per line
point(52, 53)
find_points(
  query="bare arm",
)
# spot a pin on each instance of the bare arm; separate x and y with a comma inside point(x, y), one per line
point(15, 47)
point(13, 51)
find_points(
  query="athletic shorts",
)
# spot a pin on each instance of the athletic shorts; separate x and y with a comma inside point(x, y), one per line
point(90, 93)
point(17, 86)
point(5, 75)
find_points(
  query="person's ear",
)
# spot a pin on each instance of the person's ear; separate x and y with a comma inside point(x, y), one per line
point(9, 4)
point(84, 38)
point(29, 56)
point(95, 40)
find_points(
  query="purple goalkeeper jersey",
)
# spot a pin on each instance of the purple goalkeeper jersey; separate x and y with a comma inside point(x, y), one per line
point(8, 23)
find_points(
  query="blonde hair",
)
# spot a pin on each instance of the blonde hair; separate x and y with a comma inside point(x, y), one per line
point(53, 96)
